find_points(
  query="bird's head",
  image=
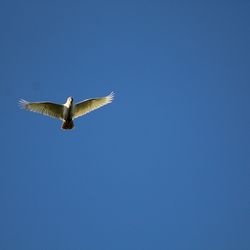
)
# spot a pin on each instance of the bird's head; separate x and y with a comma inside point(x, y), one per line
point(70, 99)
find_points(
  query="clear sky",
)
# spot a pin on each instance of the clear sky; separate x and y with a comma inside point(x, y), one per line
point(166, 165)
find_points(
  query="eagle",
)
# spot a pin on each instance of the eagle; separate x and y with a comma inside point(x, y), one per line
point(68, 111)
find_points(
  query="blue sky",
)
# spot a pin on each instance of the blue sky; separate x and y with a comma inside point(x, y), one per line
point(166, 165)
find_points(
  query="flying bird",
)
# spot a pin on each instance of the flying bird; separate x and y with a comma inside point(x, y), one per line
point(68, 111)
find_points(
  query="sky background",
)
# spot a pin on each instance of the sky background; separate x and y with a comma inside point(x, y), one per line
point(166, 165)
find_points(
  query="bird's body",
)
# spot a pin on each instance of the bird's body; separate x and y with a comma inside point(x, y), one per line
point(69, 111)
point(68, 114)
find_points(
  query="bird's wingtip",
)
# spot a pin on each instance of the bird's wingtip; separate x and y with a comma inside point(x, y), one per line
point(111, 96)
point(22, 103)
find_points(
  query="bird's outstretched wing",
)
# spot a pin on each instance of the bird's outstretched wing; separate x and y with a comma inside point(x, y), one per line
point(89, 105)
point(46, 108)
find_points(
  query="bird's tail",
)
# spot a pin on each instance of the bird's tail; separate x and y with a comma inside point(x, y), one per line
point(68, 124)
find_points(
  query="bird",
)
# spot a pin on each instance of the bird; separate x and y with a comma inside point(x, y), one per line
point(68, 111)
